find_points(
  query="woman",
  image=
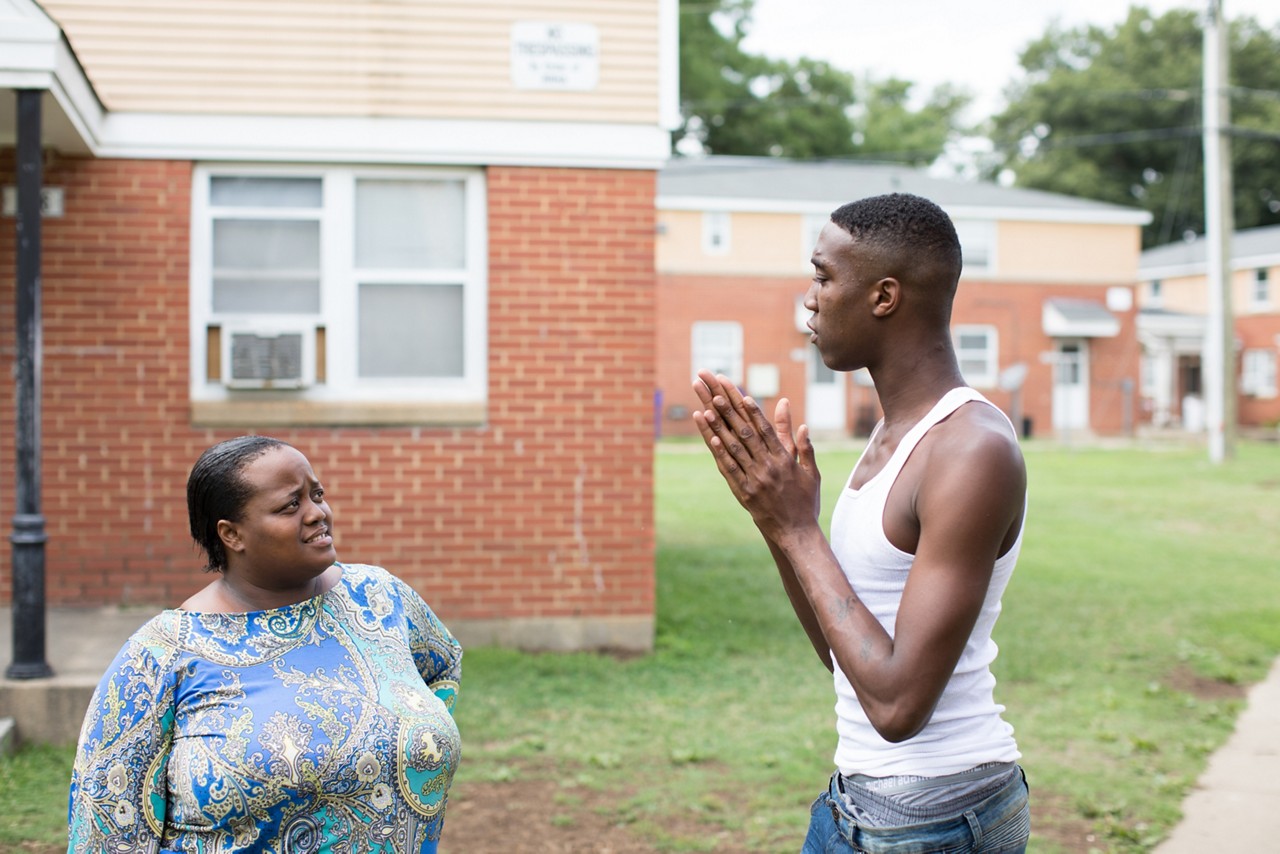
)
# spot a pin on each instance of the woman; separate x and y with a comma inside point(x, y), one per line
point(292, 705)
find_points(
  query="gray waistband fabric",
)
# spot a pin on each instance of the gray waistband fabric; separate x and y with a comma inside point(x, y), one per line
point(908, 783)
point(897, 801)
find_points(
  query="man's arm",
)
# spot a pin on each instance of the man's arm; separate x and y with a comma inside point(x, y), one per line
point(964, 508)
point(800, 604)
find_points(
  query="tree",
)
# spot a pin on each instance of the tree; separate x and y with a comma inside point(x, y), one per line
point(735, 102)
point(888, 125)
point(1115, 115)
point(714, 70)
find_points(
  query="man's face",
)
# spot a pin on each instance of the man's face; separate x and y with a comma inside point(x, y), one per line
point(839, 298)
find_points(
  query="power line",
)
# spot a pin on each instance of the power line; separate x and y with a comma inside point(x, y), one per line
point(1149, 135)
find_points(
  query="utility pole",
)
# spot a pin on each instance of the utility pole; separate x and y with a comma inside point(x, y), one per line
point(1218, 364)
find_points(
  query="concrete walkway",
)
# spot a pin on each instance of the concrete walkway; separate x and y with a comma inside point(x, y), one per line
point(79, 644)
point(1235, 805)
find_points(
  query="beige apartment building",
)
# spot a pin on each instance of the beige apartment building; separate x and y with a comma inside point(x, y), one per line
point(1174, 300)
point(1044, 320)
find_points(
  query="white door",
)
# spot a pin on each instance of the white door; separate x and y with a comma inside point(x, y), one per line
point(1071, 385)
point(824, 409)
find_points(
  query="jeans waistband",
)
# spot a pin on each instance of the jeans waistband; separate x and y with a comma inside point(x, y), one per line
point(878, 809)
point(910, 783)
point(992, 822)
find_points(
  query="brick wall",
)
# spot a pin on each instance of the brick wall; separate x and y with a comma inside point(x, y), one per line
point(1015, 309)
point(115, 442)
point(1262, 332)
point(765, 307)
point(568, 482)
point(545, 513)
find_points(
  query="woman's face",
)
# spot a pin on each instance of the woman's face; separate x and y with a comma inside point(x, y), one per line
point(285, 533)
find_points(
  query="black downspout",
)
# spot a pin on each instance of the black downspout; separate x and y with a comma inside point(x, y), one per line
point(28, 536)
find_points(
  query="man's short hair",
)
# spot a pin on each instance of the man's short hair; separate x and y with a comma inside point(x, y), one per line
point(909, 226)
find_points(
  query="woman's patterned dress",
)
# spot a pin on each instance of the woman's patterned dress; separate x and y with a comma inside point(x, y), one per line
point(322, 726)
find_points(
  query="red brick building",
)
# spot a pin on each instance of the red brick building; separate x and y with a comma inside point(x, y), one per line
point(440, 287)
point(1044, 320)
point(1174, 300)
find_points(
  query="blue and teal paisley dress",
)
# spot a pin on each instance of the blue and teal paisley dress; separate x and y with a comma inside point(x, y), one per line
point(324, 726)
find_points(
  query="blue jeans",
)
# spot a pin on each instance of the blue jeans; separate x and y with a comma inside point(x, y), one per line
point(999, 824)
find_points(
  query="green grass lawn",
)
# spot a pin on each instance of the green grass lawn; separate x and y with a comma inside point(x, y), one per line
point(1147, 596)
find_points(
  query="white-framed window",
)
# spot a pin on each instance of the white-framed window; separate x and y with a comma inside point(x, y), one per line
point(1155, 293)
point(1260, 292)
point(385, 267)
point(716, 232)
point(717, 347)
point(977, 245)
point(978, 354)
point(1258, 373)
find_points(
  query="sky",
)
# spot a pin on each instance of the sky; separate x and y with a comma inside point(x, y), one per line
point(972, 43)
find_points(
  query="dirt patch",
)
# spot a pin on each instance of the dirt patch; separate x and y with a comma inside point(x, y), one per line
point(1186, 680)
point(536, 816)
point(532, 816)
point(535, 812)
point(1054, 820)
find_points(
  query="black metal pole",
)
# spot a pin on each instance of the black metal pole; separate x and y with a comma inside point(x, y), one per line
point(28, 536)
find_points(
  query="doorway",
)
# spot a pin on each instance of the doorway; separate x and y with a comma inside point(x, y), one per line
point(1071, 385)
point(824, 397)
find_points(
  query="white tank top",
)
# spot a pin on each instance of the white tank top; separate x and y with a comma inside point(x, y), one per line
point(966, 728)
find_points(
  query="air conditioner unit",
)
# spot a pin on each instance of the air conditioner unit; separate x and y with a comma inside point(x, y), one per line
point(262, 358)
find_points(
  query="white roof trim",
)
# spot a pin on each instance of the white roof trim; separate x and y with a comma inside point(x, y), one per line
point(1199, 268)
point(28, 45)
point(383, 140)
point(74, 93)
point(1103, 216)
point(34, 55)
point(23, 21)
point(669, 64)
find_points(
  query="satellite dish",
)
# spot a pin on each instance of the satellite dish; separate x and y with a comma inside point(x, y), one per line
point(1012, 377)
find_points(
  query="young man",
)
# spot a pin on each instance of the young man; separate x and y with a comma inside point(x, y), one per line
point(900, 602)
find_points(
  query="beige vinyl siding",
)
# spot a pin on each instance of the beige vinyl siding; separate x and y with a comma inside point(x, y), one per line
point(1057, 251)
point(429, 59)
point(1185, 294)
point(1190, 294)
point(1242, 285)
point(760, 244)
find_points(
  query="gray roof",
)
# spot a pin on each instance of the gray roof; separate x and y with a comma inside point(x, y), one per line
point(1082, 310)
point(1250, 247)
point(825, 184)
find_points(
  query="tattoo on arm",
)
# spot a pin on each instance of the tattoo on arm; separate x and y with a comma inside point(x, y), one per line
point(866, 649)
point(841, 608)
